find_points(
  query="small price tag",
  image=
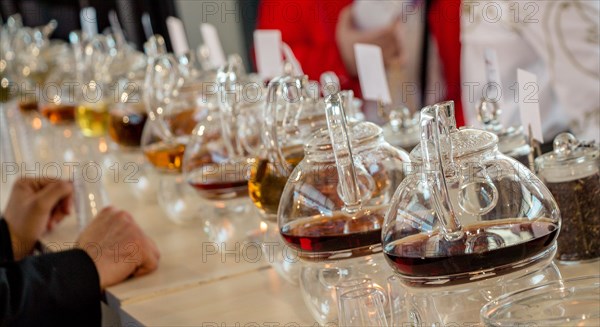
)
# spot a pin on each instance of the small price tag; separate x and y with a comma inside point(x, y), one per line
point(177, 35)
point(212, 41)
point(371, 73)
point(89, 21)
point(267, 46)
point(529, 104)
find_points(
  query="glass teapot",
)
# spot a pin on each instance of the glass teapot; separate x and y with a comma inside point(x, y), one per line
point(218, 156)
point(291, 115)
point(402, 128)
point(466, 211)
point(331, 209)
point(511, 140)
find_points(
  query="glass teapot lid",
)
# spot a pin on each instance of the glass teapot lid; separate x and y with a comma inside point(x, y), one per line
point(460, 142)
point(571, 159)
point(402, 129)
point(568, 150)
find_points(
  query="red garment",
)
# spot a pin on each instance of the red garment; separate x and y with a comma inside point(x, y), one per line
point(444, 24)
point(308, 27)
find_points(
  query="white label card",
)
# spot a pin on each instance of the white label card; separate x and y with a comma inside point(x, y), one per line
point(529, 104)
point(267, 46)
point(177, 35)
point(212, 41)
point(89, 21)
point(371, 73)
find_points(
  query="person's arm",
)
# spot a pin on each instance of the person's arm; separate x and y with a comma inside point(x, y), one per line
point(6, 252)
point(61, 289)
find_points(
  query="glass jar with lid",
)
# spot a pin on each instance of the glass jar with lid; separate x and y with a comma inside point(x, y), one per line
point(571, 172)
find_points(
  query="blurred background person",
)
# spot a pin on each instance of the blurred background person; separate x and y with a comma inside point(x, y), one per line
point(420, 28)
point(556, 40)
point(322, 35)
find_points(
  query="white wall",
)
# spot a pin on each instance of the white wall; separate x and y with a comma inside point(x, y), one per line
point(224, 14)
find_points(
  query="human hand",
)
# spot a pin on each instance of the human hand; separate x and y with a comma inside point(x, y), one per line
point(118, 246)
point(387, 38)
point(34, 207)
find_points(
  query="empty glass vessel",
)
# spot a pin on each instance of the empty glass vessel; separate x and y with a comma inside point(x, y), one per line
point(332, 207)
point(466, 213)
point(570, 302)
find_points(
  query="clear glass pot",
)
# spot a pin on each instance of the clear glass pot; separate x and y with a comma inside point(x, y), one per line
point(511, 140)
point(466, 212)
point(291, 115)
point(458, 211)
point(572, 173)
point(402, 128)
point(570, 302)
point(217, 159)
point(331, 210)
point(163, 143)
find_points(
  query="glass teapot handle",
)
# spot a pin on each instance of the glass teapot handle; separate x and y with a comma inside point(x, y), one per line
point(436, 123)
point(162, 80)
point(228, 79)
point(287, 89)
point(342, 150)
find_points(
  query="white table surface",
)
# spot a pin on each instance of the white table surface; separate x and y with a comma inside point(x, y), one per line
point(190, 289)
point(182, 263)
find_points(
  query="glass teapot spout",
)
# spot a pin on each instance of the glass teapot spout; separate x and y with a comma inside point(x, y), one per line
point(437, 122)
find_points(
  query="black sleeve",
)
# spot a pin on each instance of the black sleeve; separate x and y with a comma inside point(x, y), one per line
point(57, 289)
point(6, 252)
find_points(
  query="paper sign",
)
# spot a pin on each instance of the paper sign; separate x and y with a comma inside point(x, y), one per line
point(211, 39)
point(147, 24)
point(89, 22)
point(371, 73)
point(177, 35)
point(529, 104)
point(267, 47)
